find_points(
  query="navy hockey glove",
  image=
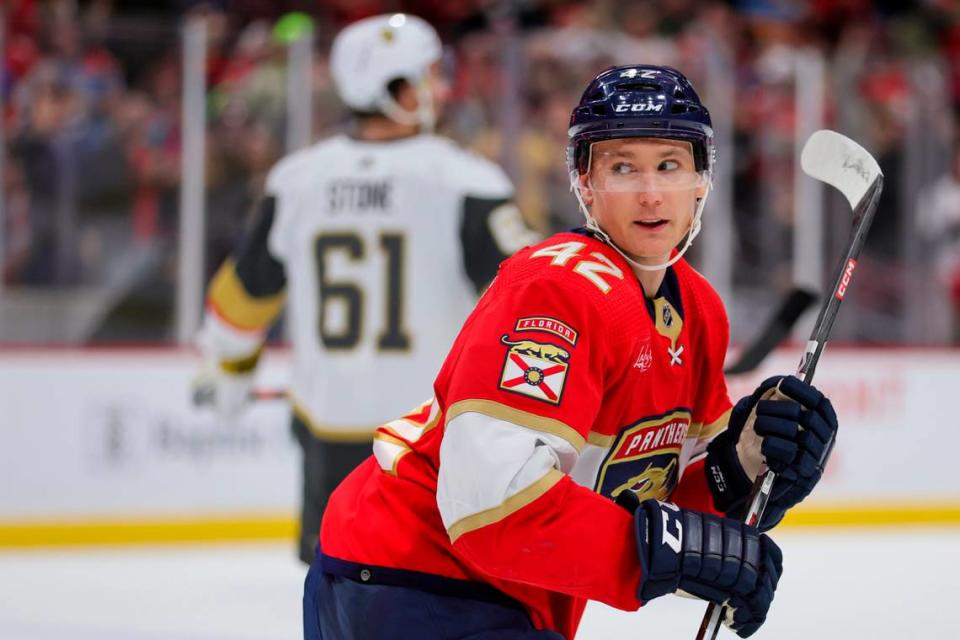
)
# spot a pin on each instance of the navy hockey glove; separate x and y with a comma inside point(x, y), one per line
point(785, 423)
point(713, 558)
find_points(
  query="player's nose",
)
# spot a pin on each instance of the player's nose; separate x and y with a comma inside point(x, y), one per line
point(649, 195)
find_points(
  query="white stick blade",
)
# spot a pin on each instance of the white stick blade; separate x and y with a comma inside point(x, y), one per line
point(834, 158)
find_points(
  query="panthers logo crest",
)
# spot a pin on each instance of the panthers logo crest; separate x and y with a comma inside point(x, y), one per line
point(645, 457)
point(652, 482)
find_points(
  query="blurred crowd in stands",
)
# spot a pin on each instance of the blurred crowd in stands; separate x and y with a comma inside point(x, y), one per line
point(91, 118)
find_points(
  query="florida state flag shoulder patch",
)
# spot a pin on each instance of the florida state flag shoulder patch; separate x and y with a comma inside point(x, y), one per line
point(534, 369)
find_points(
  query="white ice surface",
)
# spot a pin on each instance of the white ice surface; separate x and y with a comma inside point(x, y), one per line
point(853, 584)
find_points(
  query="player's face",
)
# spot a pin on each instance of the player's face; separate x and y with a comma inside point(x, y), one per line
point(643, 193)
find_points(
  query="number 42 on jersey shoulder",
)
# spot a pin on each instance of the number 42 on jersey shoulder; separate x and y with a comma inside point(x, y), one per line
point(598, 271)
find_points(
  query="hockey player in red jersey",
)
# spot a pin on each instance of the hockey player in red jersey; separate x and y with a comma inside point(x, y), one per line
point(581, 444)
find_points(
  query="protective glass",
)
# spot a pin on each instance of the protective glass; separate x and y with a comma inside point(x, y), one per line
point(621, 166)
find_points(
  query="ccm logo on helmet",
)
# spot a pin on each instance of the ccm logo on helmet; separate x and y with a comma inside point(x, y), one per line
point(845, 280)
point(638, 106)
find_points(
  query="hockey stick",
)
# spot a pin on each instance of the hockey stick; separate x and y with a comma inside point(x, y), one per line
point(796, 302)
point(835, 159)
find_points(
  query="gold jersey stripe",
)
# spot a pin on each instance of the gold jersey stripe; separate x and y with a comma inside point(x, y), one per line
point(435, 420)
point(332, 433)
point(600, 440)
point(518, 417)
point(392, 439)
point(512, 504)
point(701, 431)
point(709, 431)
point(236, 306)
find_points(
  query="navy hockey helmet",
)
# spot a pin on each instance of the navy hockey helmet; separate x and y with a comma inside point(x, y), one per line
point(640, 101)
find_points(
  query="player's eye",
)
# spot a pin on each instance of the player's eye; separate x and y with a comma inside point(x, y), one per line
point(622, 168)
point(668, 165)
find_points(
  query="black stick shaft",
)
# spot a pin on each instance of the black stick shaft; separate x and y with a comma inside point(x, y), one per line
point(862, 219)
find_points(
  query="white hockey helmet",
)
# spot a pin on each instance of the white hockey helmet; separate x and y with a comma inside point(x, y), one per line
point(367, 55)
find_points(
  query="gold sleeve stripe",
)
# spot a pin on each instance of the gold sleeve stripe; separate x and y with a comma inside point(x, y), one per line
point(332, 433)
point(242, 365)
point(600, 440)
point(396, 462)
point(709, 431)
point(236, 306)
point(389, 439)
point(510, 505)
point(433, 418)
point(518, 417)
point(693, 431)
point(437, 414)
point(388, 435)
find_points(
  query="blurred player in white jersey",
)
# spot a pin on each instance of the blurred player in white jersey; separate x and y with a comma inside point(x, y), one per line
point(382, 238)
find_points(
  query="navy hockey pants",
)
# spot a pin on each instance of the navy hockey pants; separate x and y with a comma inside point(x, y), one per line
point(338, 608)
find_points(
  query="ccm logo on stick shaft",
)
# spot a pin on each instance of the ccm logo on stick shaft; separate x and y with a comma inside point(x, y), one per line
point(845, 280)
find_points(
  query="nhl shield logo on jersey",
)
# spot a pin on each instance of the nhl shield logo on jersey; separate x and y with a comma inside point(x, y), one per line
point(534, 369)
point(644, 458)
point(669, 324)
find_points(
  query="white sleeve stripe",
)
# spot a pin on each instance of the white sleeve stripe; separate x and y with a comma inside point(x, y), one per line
point(517, 417)
point(489, 468)
point(510, 505)
point(405, 429)
point(221, 341)
point(388, 452)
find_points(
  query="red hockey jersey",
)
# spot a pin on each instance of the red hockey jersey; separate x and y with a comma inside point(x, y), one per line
point(565, 387)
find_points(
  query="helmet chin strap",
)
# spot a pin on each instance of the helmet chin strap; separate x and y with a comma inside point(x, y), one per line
point(594, 226)
point(424, 115)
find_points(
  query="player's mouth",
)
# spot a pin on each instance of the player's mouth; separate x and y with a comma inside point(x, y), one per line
point(652, 223)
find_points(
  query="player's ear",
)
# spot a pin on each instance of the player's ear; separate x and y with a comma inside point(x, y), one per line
point(585, 191)
point(404, 93)
point(703, 185)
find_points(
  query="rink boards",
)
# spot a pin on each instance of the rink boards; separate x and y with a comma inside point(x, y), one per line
point(103, 446)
